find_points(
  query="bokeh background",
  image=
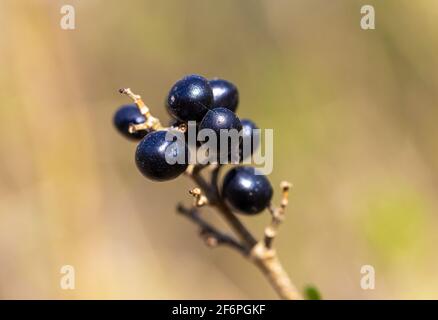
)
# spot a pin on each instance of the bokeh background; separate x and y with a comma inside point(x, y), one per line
point(354, 115)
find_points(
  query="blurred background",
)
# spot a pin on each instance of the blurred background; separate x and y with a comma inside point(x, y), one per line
point(354, 116)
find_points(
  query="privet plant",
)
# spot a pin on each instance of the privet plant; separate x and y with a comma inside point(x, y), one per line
point(198, 104)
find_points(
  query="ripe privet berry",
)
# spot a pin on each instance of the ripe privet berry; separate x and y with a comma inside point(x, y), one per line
point(127, 115)
point(248, 138)
point(150, 157)
point(219, 119)
point(245, 191)
point(190, 98)
point(225, 94)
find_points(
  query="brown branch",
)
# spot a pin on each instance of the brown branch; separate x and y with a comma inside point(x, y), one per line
point(210, 234)
point(260, 253)
point(268, 262)
point(215, 177)
point(236, 224)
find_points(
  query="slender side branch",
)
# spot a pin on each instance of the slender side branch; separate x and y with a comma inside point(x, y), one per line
point(210, 234)
point(151, 123)
point(236, 224)
point(215, 177)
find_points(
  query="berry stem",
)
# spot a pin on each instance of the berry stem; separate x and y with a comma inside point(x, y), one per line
point(236, 224)
point(261, 252)
point(151, 123)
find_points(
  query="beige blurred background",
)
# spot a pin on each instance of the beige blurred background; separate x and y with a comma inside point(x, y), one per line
point(354, 114)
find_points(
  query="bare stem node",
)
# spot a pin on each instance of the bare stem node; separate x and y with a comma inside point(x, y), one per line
point(200, 199)
point(151, 122)
point(277, 214)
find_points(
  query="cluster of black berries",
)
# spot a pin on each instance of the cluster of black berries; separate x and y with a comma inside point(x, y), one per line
point(212, 104)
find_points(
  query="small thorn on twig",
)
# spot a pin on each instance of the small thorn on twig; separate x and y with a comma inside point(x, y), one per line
point(199, 198)
point(129, 93)
point(285, 186)
point(209, 239)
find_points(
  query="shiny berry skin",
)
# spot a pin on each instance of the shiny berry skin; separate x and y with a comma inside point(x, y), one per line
point(245, 191)
point(225, 94)
point(150, 157)
point(216, 120)
point(124, 117)
point(190, 98)
point(220, 118)
point(248, 138)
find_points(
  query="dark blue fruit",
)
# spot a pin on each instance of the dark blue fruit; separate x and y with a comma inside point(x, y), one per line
point(245, 191)
point(225, 94)
point(150, 157)
point(190, 98)
point(220, 118)
point(248, 138)
point(223, 119)
point(127, 115)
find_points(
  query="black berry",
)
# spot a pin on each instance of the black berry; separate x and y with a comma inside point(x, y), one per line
point(225, 94)
point(248, 138)
point(245, 191)
point(222, 119)
point(190, 98)
point(127, 115)
point(150, 157)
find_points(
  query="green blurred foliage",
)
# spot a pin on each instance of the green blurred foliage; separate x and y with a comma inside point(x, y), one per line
point(394, 221)
point(312, 293)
